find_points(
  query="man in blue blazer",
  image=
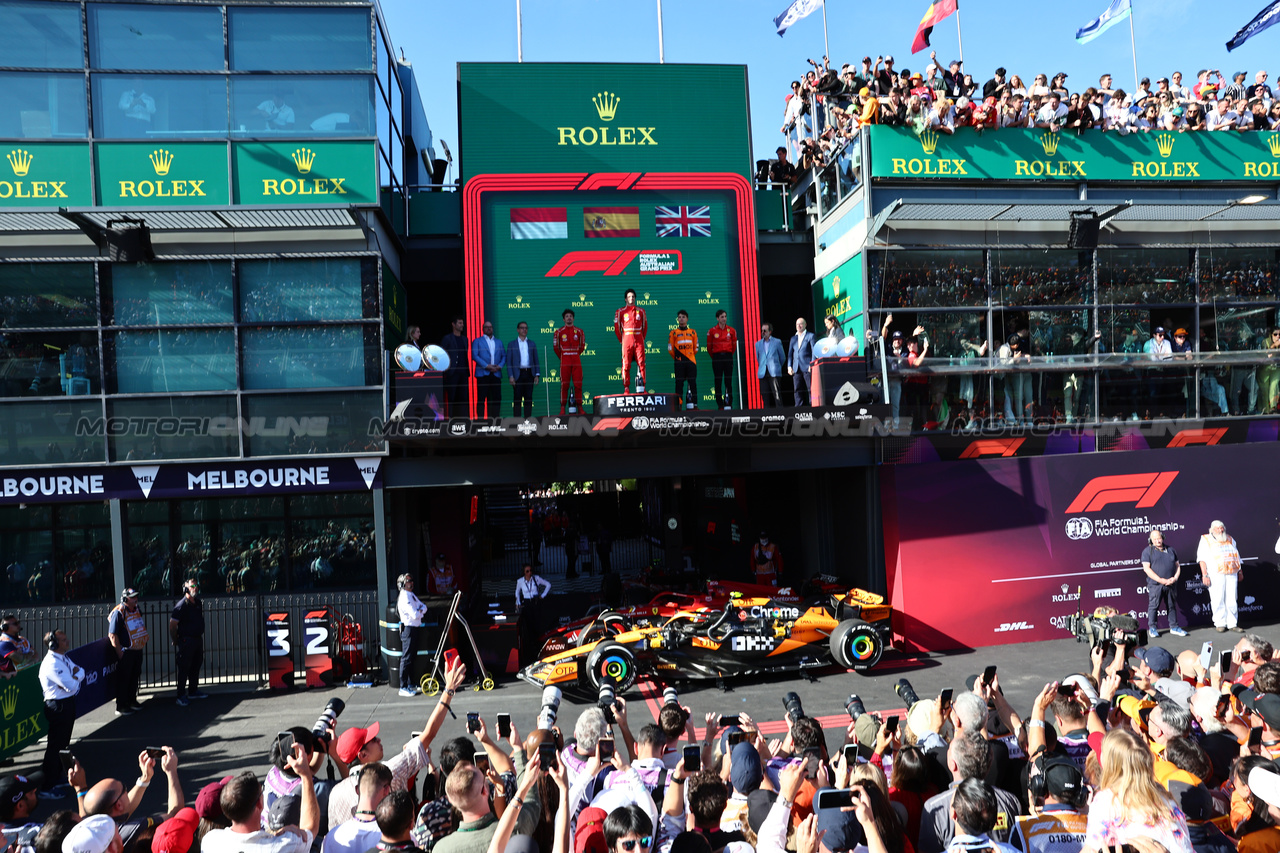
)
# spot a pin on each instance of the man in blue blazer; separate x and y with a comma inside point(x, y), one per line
point(489, 355)
point(799, 358)
point(522, 371)
point(769, 358)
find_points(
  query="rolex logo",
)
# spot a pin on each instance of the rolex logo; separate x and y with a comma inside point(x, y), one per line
point(1049, 142)
point(929, 141)
point(708, 294)
point(1065, 587)
point(519, 298)
point(1273, 142)
point(20, 160)
point(606, 105)
point(835, 286)
point(1164, 144)
point(161, 160)
point(9, 701)
point(303, 158)
point(582, 297)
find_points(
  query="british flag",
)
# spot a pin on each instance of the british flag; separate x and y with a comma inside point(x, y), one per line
point(683, 221)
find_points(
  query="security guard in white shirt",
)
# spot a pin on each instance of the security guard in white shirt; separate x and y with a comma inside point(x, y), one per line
point(411, 610)
point(60, 681)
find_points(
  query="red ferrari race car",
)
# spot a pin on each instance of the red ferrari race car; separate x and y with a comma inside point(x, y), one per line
point(608, 623)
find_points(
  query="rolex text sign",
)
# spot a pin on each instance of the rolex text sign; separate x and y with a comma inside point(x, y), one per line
point(1034, 155)
point(305, 172)
point(141, 174)
point(45, 174)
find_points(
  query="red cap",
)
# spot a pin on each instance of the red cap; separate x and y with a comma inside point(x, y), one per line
point(352, 741)
point(589, 835)
point(176, 834)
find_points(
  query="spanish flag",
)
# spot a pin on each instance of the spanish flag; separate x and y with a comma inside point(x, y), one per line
point(611, 222)
point(938, 10)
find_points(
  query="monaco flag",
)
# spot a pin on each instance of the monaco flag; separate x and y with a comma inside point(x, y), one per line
point(539, 223)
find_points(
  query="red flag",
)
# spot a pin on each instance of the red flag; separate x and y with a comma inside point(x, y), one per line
point(937, 10)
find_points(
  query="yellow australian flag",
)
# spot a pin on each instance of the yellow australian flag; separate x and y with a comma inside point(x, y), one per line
point(611, 222)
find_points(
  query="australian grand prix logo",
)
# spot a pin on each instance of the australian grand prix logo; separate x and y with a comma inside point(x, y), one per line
point(606, 107)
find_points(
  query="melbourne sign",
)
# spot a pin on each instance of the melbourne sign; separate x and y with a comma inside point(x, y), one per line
point(1019, 155)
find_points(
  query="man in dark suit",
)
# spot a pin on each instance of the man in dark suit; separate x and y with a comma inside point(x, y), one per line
point(799, 359)
point(522, 371)
point(489, 355)
point(458, 376)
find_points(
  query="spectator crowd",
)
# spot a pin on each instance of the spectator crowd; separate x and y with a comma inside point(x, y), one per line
point(1145, 750)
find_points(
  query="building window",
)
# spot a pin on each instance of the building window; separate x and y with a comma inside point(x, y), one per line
point(41, 35)
point(49, 364)
point(157, 106)
point(1238, 275)
point(289, 291)
point(278, 105)
point(264, 39)
point(51, 432)
point(298, 424)
point(36, 105)
point(316, 357)
point(158, 428)
point(184, 293)
point(1145, 276)
point(34, 296)
point(1023, 277)
point(156, 37)
point(56, 554)
point(171, 361)
point(921, 279)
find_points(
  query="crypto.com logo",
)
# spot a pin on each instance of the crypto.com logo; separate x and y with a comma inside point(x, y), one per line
point(1142, 490)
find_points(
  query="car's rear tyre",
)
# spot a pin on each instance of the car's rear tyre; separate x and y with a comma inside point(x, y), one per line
point(612, 663)
point(856, 645)
point(607, 625)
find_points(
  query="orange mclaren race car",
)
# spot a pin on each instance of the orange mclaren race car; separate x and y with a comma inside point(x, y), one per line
point(745, 635)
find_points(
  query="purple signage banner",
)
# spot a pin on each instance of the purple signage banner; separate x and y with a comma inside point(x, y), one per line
point(98, 660)
point(143, 482)
point(1005, 550)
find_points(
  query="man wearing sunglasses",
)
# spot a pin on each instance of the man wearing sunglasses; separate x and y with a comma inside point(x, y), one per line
point(628, 829)
point(13, 645)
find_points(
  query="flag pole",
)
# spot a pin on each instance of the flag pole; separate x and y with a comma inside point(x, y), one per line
point(660, 57)
point(519, 36)
point(826, 50)
point(959, 38)
point(1133, 47)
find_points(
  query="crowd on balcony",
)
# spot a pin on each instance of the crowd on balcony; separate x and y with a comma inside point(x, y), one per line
point(827, 106)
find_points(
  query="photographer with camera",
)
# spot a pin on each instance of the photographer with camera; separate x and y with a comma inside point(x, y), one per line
point(358, 747)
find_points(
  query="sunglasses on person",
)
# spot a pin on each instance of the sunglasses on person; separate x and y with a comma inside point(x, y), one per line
point(630, 843)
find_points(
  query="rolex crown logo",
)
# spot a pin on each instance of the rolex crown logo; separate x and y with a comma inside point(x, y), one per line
point(708, 294)
point(519, 298)
point(1065, 587)
point(646, 296)
point(303, 158)
point(929, 141)
point(1049, 142)
point(835, 285)
point(20, 160)
point(161, 160)
point(606, 105)
point(1273, 142)
point(1164, 144)
point(9, 701)
point(582, 297)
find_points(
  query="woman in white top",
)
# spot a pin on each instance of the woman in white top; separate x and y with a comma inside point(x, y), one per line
point(1130, 803)
point(1016, 86)
point(1039, 87)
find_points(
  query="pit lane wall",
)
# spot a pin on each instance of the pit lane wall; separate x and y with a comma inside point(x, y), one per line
point(987, 552)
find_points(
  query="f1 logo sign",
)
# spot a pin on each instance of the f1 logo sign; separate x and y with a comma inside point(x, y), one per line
point(610, 423)
point(1142, 490)
point(610, 263)
point(1188, 437)
point(992, 447)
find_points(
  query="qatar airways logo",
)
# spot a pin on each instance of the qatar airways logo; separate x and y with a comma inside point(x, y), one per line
point(1141, 490)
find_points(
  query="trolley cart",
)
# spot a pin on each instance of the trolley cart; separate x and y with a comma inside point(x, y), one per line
point(431, 683)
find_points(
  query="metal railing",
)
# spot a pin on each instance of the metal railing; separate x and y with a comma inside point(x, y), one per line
point(234, 647)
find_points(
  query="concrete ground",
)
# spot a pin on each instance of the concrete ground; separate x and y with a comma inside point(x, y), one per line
point(232, 730)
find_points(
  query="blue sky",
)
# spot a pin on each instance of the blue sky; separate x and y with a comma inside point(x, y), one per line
point(1183, 35)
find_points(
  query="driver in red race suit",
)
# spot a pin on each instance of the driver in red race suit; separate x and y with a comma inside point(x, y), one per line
point(569, 344)
point(631, 325)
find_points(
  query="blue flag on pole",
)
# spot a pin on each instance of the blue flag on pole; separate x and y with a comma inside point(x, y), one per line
point(1264, 19)
point(797, 10)
point(1116, 12)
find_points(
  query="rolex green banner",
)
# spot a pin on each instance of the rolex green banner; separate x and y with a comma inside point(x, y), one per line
point(164, 174)
point(46, 174)
point(1026, 155)
point(21, 711)
point(839, 294)
point(306, 172)
point(553, 117)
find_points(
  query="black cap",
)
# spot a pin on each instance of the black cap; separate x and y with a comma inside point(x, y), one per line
point(12, 789)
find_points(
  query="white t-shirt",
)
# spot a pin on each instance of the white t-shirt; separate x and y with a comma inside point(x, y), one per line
point(1047, 113)
point(354, 836)
point(226, 841)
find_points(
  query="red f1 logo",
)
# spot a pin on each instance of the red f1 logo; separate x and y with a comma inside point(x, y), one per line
point(1188, 437)
point(610, 423)
point(992, 447)
point(610, 263)
point(1143, 490)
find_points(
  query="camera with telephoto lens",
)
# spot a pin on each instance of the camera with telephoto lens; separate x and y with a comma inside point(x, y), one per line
point(855, 707)
point(1105, 626)
point(550, 707)
point(906, 692)
point(671, 697)
point(792, 703)
point(325, 726)
point(606, 699)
